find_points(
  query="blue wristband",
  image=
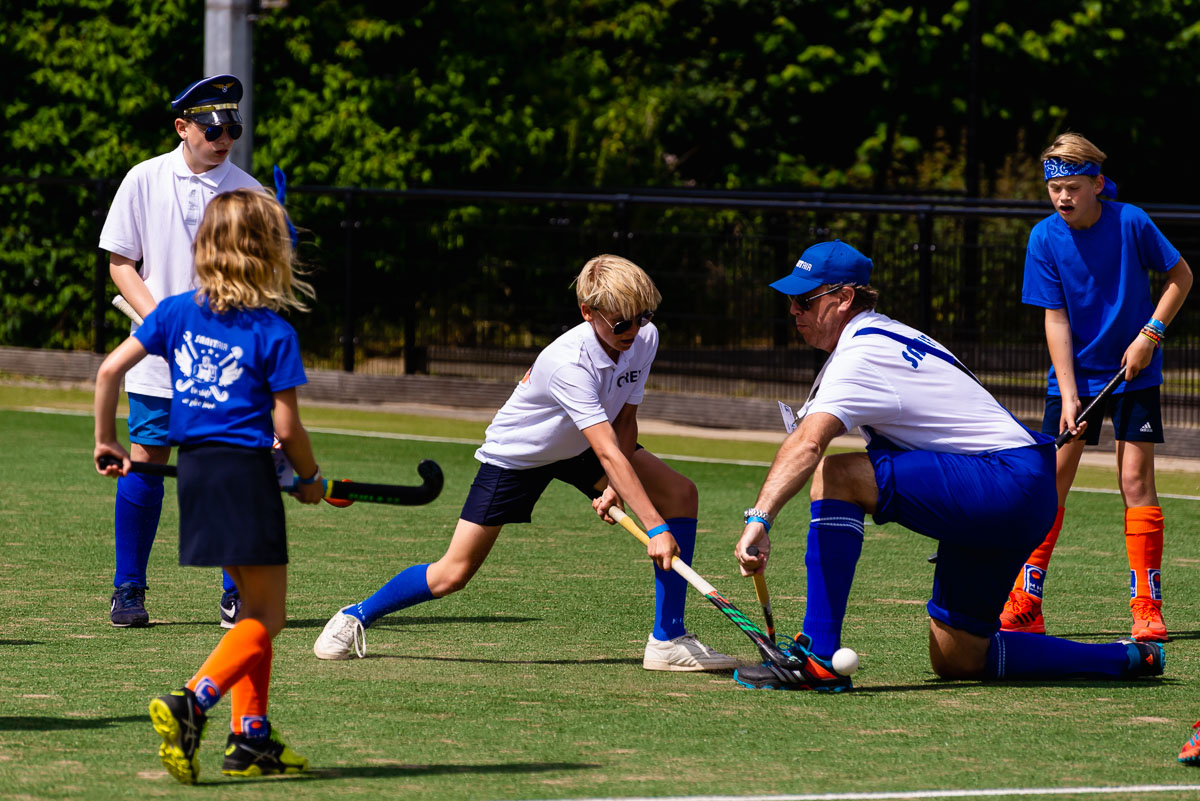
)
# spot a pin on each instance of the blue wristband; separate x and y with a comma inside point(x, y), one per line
point(757, 519)
point(1157, 326)
point(654, 532)
point(311, 480)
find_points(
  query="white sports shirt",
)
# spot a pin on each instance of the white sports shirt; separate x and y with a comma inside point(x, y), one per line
point(572, 385)
point(153, 218)
point(915, 399)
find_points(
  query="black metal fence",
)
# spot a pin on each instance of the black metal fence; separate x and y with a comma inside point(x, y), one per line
point(474, 283)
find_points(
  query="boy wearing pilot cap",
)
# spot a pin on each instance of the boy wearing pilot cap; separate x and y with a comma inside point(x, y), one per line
point(149, 233)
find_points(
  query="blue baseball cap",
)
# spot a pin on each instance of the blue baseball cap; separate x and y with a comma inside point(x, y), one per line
point(826, 263)
point(210, 101)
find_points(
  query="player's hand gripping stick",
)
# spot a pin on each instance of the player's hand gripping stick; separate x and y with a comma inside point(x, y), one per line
point(764, 597)
point(1065, 436)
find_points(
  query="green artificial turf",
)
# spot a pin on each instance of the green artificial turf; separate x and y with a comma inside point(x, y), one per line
point(528, 685)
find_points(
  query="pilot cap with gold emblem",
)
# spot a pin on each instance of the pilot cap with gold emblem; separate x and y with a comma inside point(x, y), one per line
point(210, 101)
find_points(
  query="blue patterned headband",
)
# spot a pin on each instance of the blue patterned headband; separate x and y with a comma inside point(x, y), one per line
point(1057, 168)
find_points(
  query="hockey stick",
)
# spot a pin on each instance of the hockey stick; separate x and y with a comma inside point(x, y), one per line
point(392, 494)
point(770, 652)
point(125, 308)
point(764, 597)
point(1062, 438)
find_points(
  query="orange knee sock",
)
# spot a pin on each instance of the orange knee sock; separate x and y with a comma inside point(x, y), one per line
point(242, 647)
point(248, 697)
point(1144, 544)
point(1033, 574)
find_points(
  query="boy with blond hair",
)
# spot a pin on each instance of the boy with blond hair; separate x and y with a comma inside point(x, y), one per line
point(1087, 265)
point(573, 417)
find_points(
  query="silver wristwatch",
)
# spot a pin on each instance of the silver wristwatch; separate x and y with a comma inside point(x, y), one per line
point(753, 512)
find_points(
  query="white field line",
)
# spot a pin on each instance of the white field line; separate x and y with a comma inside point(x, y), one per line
point(346, 432)
point(919, 794)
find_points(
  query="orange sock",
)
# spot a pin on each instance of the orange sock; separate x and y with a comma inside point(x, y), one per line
point(1144, 544)
point(249, 698)
point(1033, 575)
point(242, 647)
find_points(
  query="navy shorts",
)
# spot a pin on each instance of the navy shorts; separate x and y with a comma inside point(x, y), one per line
point(230, 507)
point(149, 419)
point(500, 496)
point(1136, 416)
point(987, 512)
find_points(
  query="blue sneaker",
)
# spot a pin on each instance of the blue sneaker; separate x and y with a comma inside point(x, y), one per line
point(231, 604)
point(812, 672)
point(1145, 659)
point(128, 609)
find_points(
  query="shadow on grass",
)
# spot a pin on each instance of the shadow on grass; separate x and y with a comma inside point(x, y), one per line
point(21, 642)
point(602, 661)
point(1113, 636)
point(393, 771)
point(399, 623)
point(42, 723)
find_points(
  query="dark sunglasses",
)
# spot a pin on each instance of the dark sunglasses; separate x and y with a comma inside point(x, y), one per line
point(213, 132)
point(621, 326)
point(805, 303)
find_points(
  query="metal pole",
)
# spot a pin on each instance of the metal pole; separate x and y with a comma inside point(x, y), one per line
point(229, 48)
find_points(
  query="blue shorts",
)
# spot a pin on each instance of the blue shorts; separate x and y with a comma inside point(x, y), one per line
point(499, 496)
point(149, 419)
point(987, 512)
point(1136, 416)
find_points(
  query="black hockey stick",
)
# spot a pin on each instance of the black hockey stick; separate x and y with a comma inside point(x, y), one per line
point(1065, 436)
point(393, 494)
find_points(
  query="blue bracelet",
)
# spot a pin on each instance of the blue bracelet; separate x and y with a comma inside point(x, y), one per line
point(1157, 326)
point(757, 519)
point(654, 532)
point(312, 480)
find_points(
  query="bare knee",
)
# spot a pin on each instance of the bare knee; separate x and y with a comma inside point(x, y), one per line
point(446, 577)
point(956, 654)
point(683, 499)
point(273, 620)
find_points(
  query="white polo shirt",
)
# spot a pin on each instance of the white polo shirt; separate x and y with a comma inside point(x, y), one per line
point(572, 385)
point(154, 218)
point(915, 399)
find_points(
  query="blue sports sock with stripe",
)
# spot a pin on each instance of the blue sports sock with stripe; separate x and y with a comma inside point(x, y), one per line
point(835, 538)
point(135, 517)
point(227, 582)
point(670, 588)
point(407, 588)
point(1020, 655)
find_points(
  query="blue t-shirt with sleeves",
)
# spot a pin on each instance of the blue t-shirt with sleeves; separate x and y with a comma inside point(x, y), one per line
point(224, 369)
point(1100, 276)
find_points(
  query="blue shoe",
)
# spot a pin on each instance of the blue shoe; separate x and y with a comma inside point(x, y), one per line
point(812, 673)
point(128, 609)
point(1145, 659)
point(231, 604)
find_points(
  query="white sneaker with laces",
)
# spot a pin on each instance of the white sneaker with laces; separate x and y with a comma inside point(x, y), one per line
point(343, 637)
point(684, 653)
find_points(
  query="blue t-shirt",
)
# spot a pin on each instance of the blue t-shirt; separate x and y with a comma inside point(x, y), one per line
point(224, 369)
point(1100, 276)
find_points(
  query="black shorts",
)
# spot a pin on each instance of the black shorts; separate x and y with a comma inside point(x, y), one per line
point(499, 496)
point(1136, 416)
point(230, 507)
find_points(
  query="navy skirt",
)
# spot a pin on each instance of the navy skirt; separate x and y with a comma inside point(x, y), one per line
point(230, 507)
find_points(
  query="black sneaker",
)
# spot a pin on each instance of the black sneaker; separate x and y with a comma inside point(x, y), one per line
point(231, 604)
point(181, 725)
point(128, 609)
point(809, 672)
point(1145, 658)
point(260, 756)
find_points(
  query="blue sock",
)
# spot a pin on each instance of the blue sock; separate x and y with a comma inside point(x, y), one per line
point(405, 589)
point(835, 538)
point(1020, 655)
point(670, 588)
point(227, 582)
point(135, 517)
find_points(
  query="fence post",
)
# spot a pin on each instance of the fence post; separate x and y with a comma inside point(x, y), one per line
point(349, 224)
point(925, 270)
point(100, 275)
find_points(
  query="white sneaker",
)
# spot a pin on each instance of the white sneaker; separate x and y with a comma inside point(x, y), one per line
point(684, 653)
point(343, 636)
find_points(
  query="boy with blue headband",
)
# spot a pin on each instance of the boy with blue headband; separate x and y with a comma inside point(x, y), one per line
point(1086, 244)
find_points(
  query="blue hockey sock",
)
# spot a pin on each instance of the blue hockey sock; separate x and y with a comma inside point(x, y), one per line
point(835, 538)
point(1020, 655)
point(670, 588)
point(405, 589)
point(227, 582)
point(135, 518)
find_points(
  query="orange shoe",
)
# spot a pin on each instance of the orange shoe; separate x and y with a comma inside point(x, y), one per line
point(1190, 753)
point(1148, 623)
point(1022, 612)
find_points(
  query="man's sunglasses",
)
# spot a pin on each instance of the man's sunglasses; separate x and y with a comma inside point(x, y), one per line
point(621, 326)
point(805, 303)
point(213, 132)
